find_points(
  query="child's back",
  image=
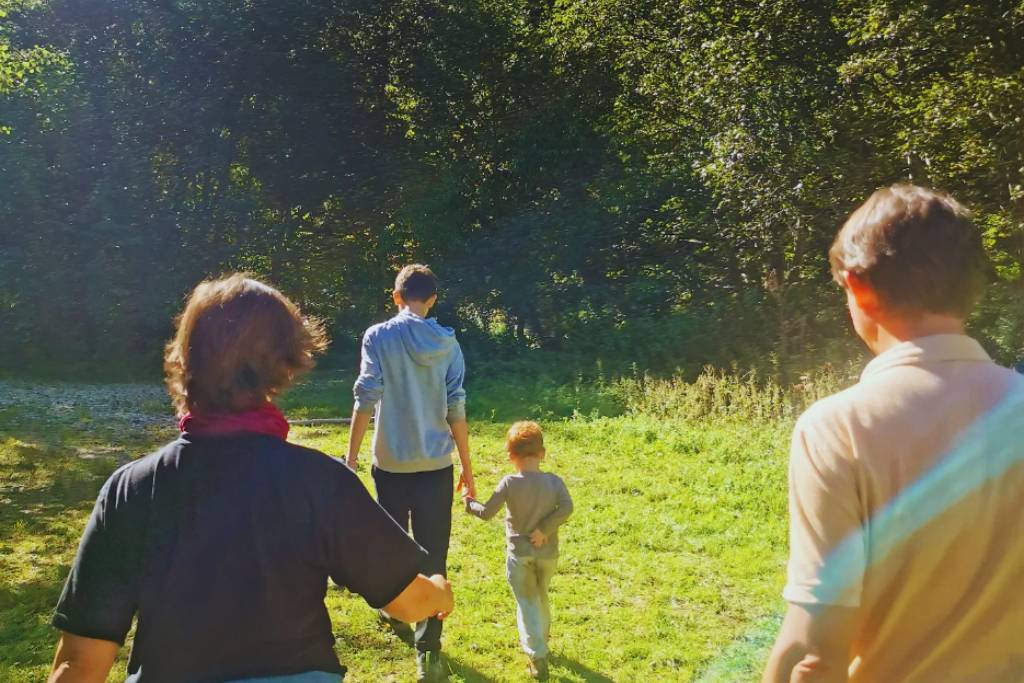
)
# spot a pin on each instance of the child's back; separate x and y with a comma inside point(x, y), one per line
point(537, 503)
point(534, 500)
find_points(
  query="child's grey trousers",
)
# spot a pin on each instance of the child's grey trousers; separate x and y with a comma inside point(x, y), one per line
point(529, 578)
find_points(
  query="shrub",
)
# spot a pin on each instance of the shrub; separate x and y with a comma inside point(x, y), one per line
point(718, 394)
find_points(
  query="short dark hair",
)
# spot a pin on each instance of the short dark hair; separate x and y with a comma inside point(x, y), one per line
point(917, 248)
point(237, 342)
point(416, 282)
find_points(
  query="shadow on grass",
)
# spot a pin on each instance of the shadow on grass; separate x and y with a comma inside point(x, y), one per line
point(26, 637)
point(44, 482)
point(404, 632)
point(327, 394)
point(47, 486)
point(744, 658)
point(470, 675)
point(581, 670)
point(466, 672)
point(400, 630)
point(43, 477)
point(48, 483)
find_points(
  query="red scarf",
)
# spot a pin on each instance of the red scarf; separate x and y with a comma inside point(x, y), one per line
point(266, 419)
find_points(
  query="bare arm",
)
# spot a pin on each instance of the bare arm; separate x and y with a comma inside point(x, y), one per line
point(460, 432)
point(82, 660)
point(367, 392)
point(813, 645)
point(424, 597)
point(828, 560)
point(357, 430)
point(455, 376)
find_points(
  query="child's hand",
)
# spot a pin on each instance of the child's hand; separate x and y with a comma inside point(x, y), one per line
point(538, 538)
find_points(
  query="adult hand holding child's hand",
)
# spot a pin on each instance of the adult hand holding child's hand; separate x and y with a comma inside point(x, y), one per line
point(466, 485)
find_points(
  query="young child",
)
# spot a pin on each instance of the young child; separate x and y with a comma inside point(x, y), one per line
point(537, 503)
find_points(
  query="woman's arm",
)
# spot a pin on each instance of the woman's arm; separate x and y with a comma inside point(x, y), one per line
point(357, 430)
point(367, 392)
point(424, 597)
point(82, 660)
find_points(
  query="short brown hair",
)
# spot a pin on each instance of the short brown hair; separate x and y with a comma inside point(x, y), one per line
point(237, 342)
point(416, 282)
point(525, 440)
point(917, 248)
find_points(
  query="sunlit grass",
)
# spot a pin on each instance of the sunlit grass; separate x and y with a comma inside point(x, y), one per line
point(671, 566)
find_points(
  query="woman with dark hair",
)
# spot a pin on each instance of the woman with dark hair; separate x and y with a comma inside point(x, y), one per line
point(220, 544)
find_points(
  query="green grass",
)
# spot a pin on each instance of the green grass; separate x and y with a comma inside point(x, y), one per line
point(671, 565)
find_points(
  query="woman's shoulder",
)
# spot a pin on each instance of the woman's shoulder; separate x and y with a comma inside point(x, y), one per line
point(312, 462)
point(320, 469)
point(314, 457)
point(130, 482)
point(147, 465)
point(183, 451)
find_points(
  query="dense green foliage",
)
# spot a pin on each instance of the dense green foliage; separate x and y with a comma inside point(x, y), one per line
point(19, 66)
point(626, 180)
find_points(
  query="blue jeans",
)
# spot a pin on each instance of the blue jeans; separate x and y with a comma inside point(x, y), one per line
point(307, 677)
point(529, 578)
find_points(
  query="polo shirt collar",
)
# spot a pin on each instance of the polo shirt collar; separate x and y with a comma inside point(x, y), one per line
point(938, 348)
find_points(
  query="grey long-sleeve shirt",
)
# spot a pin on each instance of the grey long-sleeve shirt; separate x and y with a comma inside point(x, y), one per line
point(534, 500)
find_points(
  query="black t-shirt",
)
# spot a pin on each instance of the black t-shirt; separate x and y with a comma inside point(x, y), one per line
point(222, 546)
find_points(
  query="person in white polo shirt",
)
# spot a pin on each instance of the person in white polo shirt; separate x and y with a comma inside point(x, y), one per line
point(906, 490)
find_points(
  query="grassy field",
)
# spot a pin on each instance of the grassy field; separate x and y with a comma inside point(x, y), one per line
point(671, 565)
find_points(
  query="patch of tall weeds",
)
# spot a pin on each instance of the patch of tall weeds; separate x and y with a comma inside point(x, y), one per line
point(721, 394)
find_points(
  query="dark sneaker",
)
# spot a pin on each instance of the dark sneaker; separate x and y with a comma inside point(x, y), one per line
point(399, 628)
point(387, 620)
point(538, 667)
point(428, 667)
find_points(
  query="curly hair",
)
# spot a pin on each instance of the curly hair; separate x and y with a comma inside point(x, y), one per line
point(237, 343)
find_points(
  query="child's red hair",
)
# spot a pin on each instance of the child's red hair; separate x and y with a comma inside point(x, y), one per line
point(525, 440)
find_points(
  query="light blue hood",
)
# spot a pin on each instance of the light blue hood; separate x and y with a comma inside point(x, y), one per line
point(425, 340)
point(411, 377)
